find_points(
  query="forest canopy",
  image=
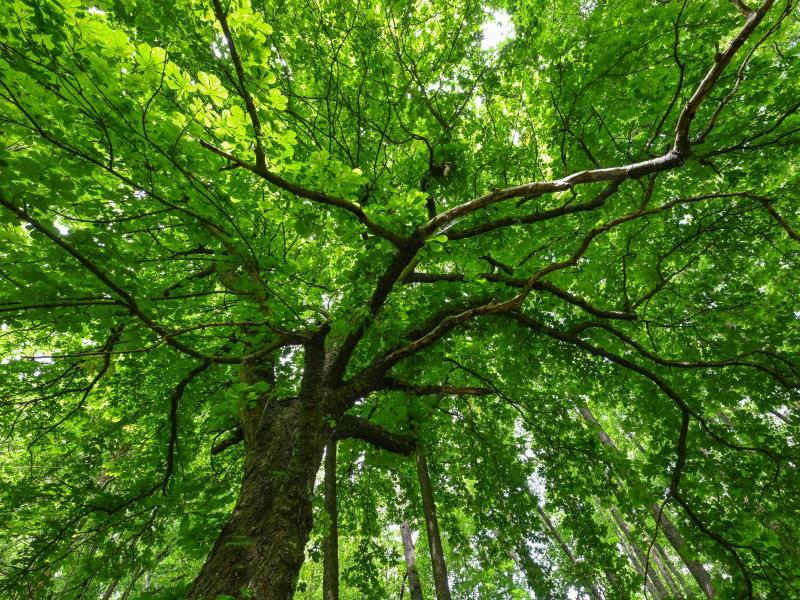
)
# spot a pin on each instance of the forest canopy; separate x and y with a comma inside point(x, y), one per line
point(456, 299)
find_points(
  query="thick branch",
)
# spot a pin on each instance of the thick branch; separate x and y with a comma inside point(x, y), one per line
point(682, 143)
point(236, 437)
point(674, 157)
point(447, 320)
point(544, 286)
point(174, 398)
point(390, 383)
point(553, 213)
point(350, 426)
point(63, 304)
point(779, 218)
point(538, 188)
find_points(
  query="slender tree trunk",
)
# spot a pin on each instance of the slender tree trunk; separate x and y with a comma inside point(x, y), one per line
point(636, 565)
point(681, 547)
point(110, 590)
point(261, 548)
point(535, 576)
point(441, 584)
point(674, 589)
point(330, 578)
point(414, 587)
point(131, 584)
point(594, 591)
point(647, 570)
point(678, 543)
point(88, 580)
point(555, 535)
point(677, 575)
point(674, 537)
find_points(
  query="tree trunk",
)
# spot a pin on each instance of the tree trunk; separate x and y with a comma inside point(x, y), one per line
point(593, 589)
point(132, 584)
point(414, 587)
point(441, 584)
point(678, 543)
point(646, 563)
point(674, 537)
point(535, 575)
point(261, 548)
point(666, 575)
point(330, 578)
point(636, 565)
point(110, 590)
point(676, 574)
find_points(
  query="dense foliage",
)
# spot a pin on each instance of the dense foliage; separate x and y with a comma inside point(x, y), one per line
point(550, 245)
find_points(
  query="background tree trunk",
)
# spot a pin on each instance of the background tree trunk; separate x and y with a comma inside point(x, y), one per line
point(535, 576)
point(330, 578)
point(636, 565)
point(645, 566)
point(592, 588)
point(414, 587)
point(677, 575)
point(674, 537)
point(110, 590)
point(674, 589)
point(432, 525)
point(678, 543)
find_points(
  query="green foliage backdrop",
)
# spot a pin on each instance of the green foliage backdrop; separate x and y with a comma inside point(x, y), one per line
point(247, 220)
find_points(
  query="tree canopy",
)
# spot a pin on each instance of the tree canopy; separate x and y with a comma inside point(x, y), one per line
point(528, 269)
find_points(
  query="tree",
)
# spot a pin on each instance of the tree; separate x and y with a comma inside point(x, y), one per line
point(233, 231)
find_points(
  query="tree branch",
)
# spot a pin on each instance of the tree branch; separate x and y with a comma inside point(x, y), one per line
point(665, 387)
point(174, 398)
point(539, 285)
point(243, 91)
point(390, 383)
point(309, 194)
point(236, 437)
point(742, 8)
point(566, 209)
point(350, 426)
point(777, 216)
point(674, 157)
point(684, 364)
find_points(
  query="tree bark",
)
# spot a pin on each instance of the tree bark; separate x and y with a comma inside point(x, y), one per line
point(646, 566)
point(261, 547)
point(110, 590)
point(441, 584)
point(677, 575)
point(636, 565)
point(674, 537)
point(414, 587)
point(666, 575)
point(330, 577)
point(592, 588)
point(678, 543)
point(535, 575)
